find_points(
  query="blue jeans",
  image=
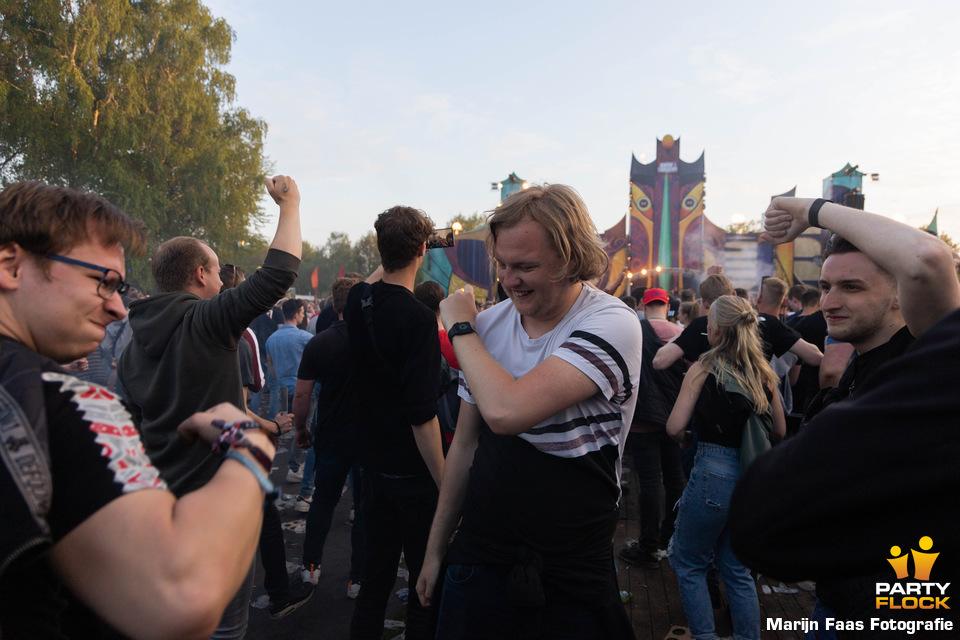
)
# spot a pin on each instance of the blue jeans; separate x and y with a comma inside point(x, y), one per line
point(397, 513)
point(701, 536)
point(334, 462)
point(271, 388)
point(310, 463)
point(233, 624)
point(474, 606)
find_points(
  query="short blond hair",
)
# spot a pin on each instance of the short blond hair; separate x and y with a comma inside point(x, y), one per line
point(714, 286)
point(563, 215)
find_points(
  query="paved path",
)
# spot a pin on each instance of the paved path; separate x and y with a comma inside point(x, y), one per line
point(654, 607)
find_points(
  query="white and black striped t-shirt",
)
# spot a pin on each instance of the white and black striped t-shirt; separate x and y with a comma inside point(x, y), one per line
point(600, 336)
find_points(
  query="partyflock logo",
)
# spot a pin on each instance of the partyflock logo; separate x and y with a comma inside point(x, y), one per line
point(920, 593)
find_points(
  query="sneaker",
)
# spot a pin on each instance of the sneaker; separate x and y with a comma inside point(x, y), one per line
point(353, 590)
point(310, 574)
point(303, 504)
point(637, 558)
point(295, 597)
point(295, 476)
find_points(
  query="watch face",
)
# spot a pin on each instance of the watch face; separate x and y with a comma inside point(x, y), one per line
point(460, 328)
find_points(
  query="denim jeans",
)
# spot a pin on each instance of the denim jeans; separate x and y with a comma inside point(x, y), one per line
point(310, 462)
point(334, 462)
point(474, 606)
point(656, 457)
point(233, 624)
point(397, 513)
point(272, 389)
point(701, 536)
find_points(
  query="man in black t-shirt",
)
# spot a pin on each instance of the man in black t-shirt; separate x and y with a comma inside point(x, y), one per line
point(326, 360)
point(396, 357)
point(692, 343)
point(812, 326)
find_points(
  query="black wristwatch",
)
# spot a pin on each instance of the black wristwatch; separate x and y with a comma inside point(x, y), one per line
point(460, 329)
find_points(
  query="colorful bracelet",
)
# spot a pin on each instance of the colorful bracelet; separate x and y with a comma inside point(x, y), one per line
point(813, 216)
point(232, 437)
point(272, 492)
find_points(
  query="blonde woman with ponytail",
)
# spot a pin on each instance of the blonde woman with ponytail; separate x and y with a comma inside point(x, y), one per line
point(730, 384)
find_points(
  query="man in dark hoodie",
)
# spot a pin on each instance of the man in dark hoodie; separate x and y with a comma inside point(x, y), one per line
point(183, 356)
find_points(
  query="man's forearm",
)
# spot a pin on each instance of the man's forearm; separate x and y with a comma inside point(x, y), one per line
point(807, 352)
point(284, 191)
point(301, 403)
point(427, 436)
point(191, 568)
point(666, 356)
point(453, 492)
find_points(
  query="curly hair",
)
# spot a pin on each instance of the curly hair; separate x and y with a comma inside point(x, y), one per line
point(562, 213)
point(400, 232)
point(738, 351)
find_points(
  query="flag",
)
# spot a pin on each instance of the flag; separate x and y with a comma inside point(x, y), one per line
point(933, 223)
point(341, 273)
point(315, 278)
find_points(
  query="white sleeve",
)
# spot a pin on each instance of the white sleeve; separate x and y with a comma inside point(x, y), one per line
point(606, 346)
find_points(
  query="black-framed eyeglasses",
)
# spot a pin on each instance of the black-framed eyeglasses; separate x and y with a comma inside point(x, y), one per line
point(110, 282)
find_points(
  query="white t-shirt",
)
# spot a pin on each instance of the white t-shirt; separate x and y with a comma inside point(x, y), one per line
point(601, 337)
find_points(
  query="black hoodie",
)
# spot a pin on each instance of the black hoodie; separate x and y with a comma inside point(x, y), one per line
point(183, 359)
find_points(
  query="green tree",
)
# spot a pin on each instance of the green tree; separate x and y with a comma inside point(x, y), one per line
point(469, 222)
point(367, 253)
point(128, 99)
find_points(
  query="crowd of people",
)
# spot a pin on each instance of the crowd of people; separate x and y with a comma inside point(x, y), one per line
point(806, 434)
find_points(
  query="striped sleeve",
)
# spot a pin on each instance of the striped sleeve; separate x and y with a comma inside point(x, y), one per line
point(606, 347)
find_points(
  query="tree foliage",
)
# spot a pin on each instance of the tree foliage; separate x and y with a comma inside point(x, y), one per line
point(128, 99)
point(469, 222)
point(747, 226)
point(337, 254)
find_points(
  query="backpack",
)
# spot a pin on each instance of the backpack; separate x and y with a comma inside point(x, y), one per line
point(658, 390)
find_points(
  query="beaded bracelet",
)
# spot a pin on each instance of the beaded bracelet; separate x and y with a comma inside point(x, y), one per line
point(271, 436)
point(232, 437)
point(272, 492)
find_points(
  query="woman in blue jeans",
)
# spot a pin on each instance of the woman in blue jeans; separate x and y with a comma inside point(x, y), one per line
point(730, 384)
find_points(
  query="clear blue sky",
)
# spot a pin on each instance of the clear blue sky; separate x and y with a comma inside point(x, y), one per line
point(371, 104)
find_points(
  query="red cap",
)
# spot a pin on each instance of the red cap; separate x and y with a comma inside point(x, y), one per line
point(655, 295)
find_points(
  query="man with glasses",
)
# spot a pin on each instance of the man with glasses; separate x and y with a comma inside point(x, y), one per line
point(82, 504)
point(183, 356)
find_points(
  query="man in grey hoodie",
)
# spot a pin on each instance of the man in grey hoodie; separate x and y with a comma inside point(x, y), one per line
point(183, 356)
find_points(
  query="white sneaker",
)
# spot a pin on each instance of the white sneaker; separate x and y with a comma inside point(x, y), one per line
point(302, 504)
point(353, 590)
point(295, 476)
point(311, 574)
